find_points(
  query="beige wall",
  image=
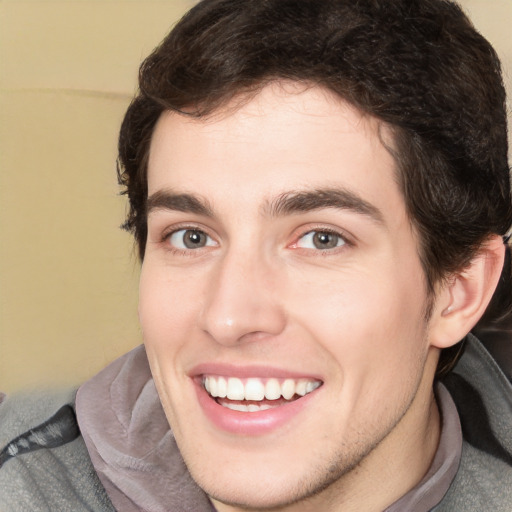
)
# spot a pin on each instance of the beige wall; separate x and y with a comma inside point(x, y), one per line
point(68, 275)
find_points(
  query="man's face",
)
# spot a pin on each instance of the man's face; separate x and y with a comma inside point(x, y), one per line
point(281, 269)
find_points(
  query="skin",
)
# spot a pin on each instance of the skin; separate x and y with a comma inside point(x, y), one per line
point(257, 291)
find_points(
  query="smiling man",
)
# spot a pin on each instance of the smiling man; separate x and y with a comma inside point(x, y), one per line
point(285, 318)
point(321, 200)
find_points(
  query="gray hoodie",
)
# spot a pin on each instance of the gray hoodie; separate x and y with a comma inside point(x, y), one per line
point(126, 455)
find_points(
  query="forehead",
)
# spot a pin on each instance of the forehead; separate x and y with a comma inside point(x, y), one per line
point(286, 138)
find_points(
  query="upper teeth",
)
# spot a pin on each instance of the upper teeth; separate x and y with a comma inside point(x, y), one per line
point(257, 389)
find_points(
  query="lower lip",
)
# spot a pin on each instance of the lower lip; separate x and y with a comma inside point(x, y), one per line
point(250, 423)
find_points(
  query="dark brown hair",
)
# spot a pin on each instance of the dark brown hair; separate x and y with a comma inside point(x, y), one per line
point(417, 65)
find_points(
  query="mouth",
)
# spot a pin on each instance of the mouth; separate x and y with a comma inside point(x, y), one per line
point(254, 394)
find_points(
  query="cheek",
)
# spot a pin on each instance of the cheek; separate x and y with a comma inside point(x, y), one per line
point(167, 308)
point(372, 325)
point(166, 315)
point(169, 302)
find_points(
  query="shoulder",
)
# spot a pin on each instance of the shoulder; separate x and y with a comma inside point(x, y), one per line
point(483, 396)
point(22, 411)
point(46, 464)
point(482, 483)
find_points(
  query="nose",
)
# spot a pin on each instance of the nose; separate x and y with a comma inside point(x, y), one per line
point(242, 300)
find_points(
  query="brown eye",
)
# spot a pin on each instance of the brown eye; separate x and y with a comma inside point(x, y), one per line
point(190, 239)
point(321, 240)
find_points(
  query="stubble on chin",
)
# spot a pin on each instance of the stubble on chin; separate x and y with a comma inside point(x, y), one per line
point(325, 481)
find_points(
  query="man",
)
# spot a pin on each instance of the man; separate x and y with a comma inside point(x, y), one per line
point(320, 195)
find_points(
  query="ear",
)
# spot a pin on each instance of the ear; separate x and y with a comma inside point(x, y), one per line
point(463, 299)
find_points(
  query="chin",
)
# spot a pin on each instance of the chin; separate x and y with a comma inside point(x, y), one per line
point(262, 495)
point(267, 484)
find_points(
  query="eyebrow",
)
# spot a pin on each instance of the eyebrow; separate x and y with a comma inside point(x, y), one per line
point(285, 204)
point(188, 203)
point(310, 200)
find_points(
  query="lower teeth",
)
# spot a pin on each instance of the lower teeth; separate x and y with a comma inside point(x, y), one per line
point(247, 408)
point(239, 405)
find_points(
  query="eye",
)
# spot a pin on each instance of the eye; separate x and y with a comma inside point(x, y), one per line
point(190, 239)
point(320, 240)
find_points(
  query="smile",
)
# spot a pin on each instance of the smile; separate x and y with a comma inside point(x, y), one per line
point(256, 394)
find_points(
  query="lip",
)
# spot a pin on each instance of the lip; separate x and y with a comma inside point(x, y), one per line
point(248, 423)
point(245, 372)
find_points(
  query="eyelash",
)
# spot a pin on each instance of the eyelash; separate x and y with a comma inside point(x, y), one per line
point(346, 241)
point(166, 236)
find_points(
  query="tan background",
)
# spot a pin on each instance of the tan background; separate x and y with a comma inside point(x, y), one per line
point(68, 275)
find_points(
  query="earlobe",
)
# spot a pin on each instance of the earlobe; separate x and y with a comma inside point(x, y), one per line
point(463, 299)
